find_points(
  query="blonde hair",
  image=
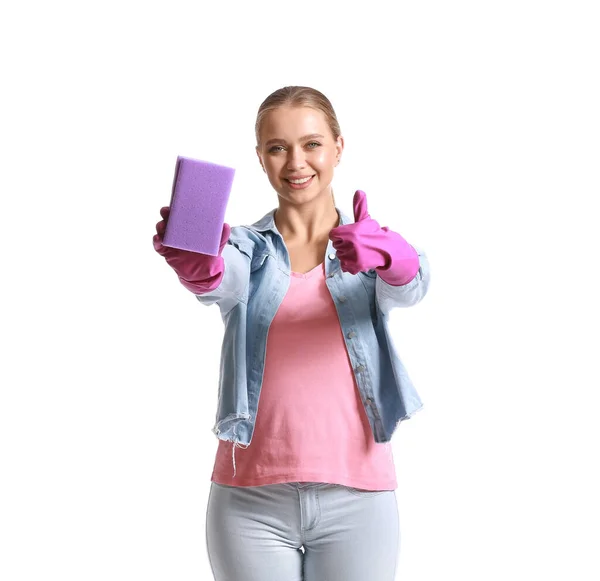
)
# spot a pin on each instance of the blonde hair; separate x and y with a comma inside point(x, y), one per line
point(296, 96)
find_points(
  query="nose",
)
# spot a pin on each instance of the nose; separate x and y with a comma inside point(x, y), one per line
point(295, 158)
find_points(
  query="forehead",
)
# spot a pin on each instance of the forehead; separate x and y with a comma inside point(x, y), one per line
point(291, 122)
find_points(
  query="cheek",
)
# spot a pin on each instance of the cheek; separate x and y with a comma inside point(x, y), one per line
point(324, 159)
point(272, 165)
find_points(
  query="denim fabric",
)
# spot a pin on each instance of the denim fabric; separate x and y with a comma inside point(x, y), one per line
point(256, 279)
point(302, 531)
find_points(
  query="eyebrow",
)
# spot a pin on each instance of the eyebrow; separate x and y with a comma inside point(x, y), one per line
point(304, 137)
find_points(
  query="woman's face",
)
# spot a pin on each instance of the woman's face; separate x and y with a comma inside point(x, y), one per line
point(296, 143)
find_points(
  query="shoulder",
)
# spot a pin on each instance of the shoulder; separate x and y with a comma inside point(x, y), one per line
point(253, 238)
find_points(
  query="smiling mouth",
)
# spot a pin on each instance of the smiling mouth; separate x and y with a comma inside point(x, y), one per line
point(298, 182)
point(301, 184)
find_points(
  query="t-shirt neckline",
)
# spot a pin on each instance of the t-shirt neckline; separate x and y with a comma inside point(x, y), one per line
point(308, 274)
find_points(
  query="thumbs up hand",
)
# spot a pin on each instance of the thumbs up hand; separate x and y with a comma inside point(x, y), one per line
point(365, 245)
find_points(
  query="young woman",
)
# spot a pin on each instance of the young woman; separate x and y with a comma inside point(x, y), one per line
point(305, 294)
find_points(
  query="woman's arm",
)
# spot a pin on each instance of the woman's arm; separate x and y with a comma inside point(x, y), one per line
point(233, 286)
point(219, 279)
point(389, 296)
point(402, 270)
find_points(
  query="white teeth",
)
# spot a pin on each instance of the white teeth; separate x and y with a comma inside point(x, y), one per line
point(303, 181)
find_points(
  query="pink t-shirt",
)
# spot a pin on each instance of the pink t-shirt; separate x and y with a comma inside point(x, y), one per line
point(311, 425)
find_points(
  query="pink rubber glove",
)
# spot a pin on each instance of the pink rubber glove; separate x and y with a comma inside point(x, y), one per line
point(199, 273)
point(365, 245)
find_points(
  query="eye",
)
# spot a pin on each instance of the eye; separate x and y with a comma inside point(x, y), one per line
point(278, 148)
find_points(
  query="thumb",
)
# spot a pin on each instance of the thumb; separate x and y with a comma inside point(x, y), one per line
point(224, 236)
point(360, 206)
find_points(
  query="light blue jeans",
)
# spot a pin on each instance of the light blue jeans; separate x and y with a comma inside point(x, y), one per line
point(302, 531)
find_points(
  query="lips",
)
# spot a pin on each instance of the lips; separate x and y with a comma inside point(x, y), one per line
point(298, 177)
point(301, 185)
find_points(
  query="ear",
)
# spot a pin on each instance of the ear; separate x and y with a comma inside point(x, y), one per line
point(339, 147)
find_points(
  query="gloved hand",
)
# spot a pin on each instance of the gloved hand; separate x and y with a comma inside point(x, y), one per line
point(365, 245)
point(199, 273)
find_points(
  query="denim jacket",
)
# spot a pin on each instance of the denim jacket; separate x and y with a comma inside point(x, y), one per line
point(256, 279)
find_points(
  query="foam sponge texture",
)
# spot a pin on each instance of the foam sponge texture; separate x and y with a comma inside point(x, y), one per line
point(198, 201)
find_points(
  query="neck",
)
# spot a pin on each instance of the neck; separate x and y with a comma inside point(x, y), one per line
point(306, 223)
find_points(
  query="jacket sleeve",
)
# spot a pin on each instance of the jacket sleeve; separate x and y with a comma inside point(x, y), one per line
point(407, 295)
point(233, 287)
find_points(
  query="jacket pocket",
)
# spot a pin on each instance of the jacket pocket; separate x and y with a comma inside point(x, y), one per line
point(258, 261)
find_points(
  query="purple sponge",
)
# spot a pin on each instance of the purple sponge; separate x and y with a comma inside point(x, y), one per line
point(198, 201)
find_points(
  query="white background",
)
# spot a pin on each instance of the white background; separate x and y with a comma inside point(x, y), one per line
point(473, 127)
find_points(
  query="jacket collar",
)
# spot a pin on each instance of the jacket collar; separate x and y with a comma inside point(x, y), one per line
point(267, 222)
